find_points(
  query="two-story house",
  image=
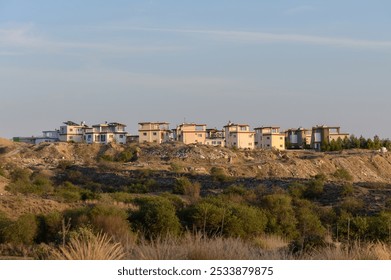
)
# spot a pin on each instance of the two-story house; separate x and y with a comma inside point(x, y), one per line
point(153, 132)
point(239, 136)
point(322, 134)
point(190, 133)
point(269, 137)
point(298, 138)
point(106, 133)
point(72, 132)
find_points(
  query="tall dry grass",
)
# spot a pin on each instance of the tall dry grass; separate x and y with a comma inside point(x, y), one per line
point(197, 247)
point(356, 251)
point(89, 246)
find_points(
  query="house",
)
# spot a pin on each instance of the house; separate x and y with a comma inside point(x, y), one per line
point(154, 132)
point(215, 137)
point(190, 133)
point(238, 136)
point(298, 138)
point(72, 132)
point(323, 135)
point(47, 136)
point(269, 137)
point(106, 133)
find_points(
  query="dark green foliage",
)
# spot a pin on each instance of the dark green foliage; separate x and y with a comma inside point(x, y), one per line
point(216, 216)
point(218, 174)
point(181, 184)
point(309, 226)
point(343, 174)
point(351, 205)
point(314, 189)
point(24, 182)
point(156, 217)
point(68, 192)
point(129, 154)
point(50, 226)
point(280, 214)
point(23, 231)
point(347, 189)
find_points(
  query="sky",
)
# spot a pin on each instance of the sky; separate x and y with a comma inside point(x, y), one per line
point(282, 63)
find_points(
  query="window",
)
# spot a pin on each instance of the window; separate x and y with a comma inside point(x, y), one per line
point(70, 137)
point(280, 146)
point(250, 144)
point(268, 138)
point(268, 145)
point(71, 129)
point(121, 136)
point(199, 135)
point(145, 134)
point(280, 138)
point(111, 136)
point(154, 134)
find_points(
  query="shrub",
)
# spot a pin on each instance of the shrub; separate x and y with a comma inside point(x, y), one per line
point(180, 185)
point(347, 189)
point(68, 192)
point(22, 231)
point(297, 190)
point(50, 226)
point(343, 174)
point(215, 216)
point(280, 215)
point(218, 174)
point(176, 167)
point(314, 189)
point(155, 217)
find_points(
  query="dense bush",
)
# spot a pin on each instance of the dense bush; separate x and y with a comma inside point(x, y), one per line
point(156, 217)
point(22, 231)
point(280, 215)
point(218, 174)
point(216, 216)
point(343, 174)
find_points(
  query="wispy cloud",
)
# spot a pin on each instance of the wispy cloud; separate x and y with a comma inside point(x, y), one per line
point(265, 37)
point(26, 39)
point(299, 10)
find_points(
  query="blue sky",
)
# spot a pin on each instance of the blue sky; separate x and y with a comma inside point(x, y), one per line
point(286, 63)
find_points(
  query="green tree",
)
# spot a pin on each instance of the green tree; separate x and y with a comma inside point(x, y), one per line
point(280, 215)
point(156, 217)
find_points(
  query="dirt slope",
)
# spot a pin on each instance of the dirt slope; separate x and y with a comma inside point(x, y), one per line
point(363, 165)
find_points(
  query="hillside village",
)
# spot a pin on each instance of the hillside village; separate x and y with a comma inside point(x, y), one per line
point(231, 136)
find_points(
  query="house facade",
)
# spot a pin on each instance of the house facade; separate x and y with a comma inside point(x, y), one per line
point(47, 136)
point(322, 134)
point(215, 137)
point(106, 133)
point(153, 132)
point(190, 133)
point(72, 132)
point(298, 138)
point(269, 138)
point(239, 136)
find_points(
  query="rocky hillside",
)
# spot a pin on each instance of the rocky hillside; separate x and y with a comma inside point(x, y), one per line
point(362, 165)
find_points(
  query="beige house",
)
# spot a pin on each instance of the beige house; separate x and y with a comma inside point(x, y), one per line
point(153, 132)
point(215, 137)
point(72, 132)
point(269, 138)
point(298, 138)
point(190, 133)
point(106, 133)
point(239, 136)
point(325, 134)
